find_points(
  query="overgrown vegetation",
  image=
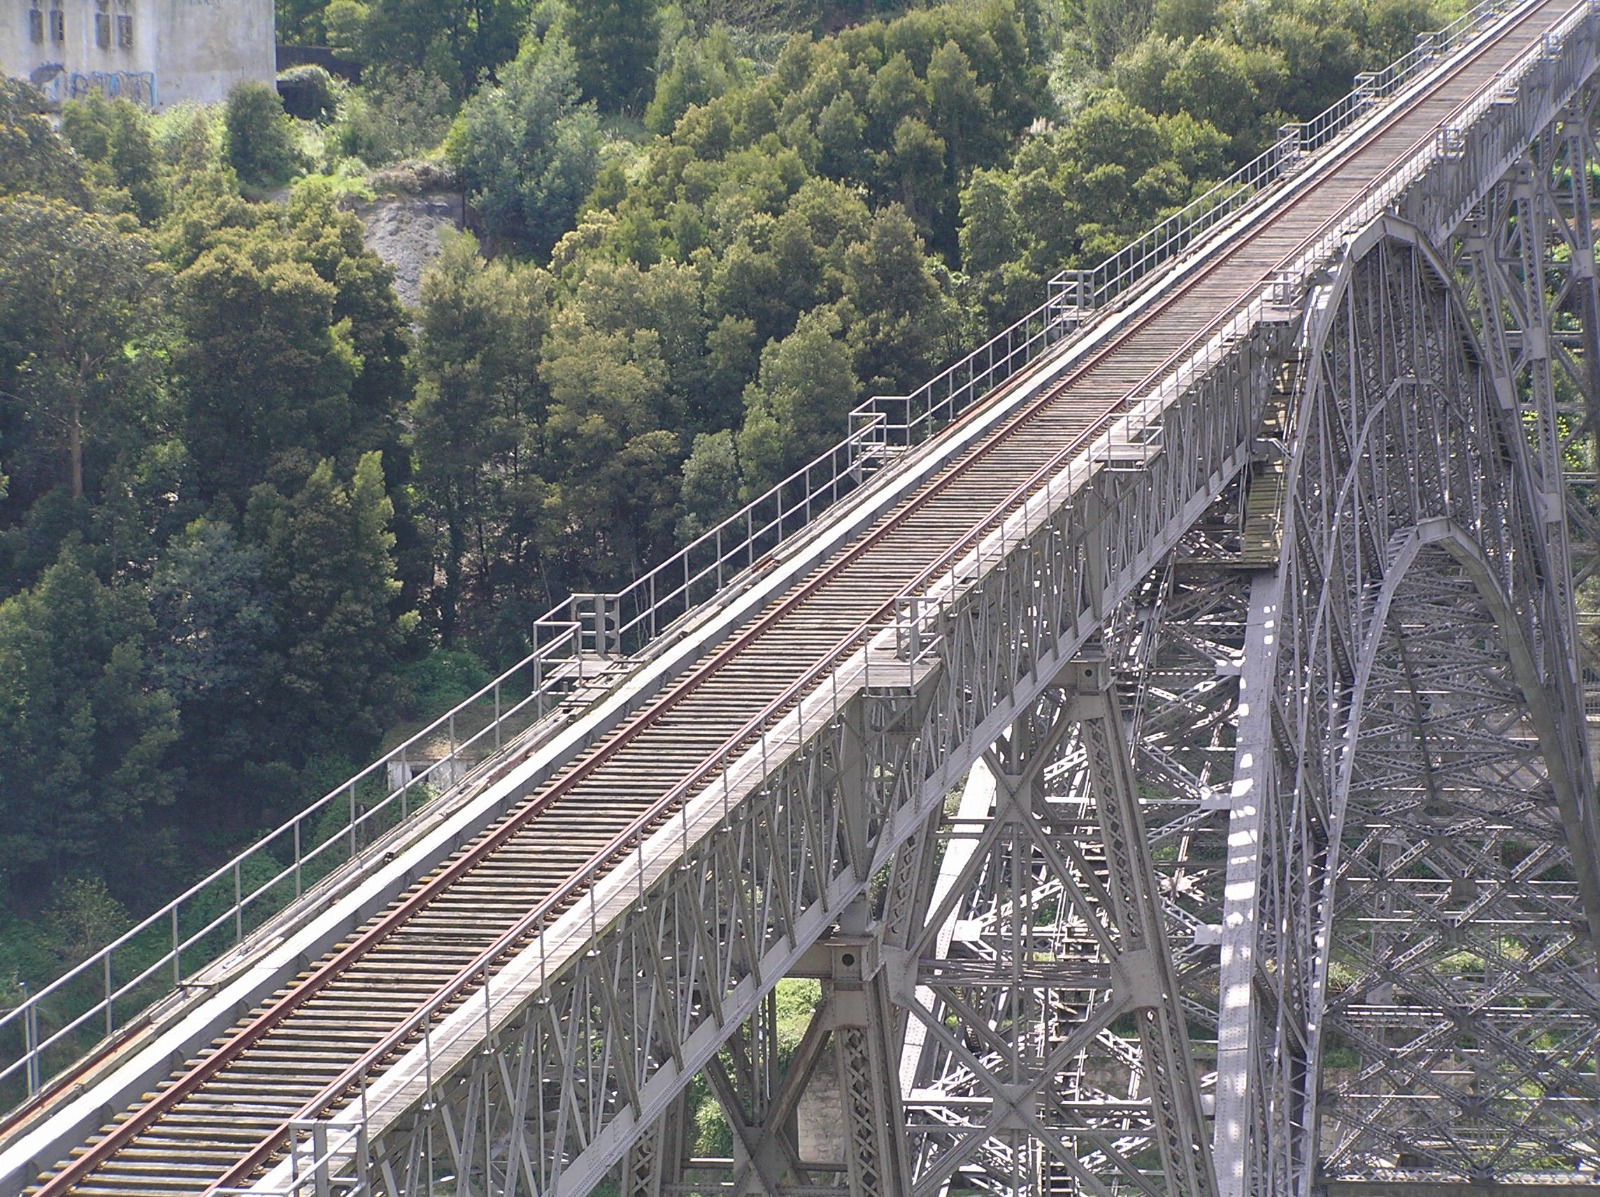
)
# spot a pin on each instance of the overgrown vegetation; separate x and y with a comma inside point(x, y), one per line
point(253, 512)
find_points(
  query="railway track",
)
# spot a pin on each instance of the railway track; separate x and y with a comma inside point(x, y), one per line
point(221, 1117)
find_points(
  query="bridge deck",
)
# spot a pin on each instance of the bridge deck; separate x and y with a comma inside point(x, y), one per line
point(222, 1115)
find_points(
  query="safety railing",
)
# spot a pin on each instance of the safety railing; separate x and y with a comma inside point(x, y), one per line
point(644, 609)
point(100, 996)
point(109, 992)
point(1097, 286)
point(922, 610)
point(870, 654)
point(902, 421)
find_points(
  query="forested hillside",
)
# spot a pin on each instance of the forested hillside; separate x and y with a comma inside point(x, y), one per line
point(254, 514)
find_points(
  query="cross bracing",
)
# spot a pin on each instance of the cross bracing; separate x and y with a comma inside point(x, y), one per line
point(1172, 776)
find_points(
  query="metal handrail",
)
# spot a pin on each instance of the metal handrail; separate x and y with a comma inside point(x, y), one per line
point(635, 617)
point(915, 632)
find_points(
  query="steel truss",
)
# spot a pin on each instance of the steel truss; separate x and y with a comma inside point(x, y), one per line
point(590, 1039)
point(1136, 866)
point(1526, 259)
point(1436, 846)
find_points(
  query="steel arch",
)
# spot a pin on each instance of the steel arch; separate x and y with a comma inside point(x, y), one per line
point(1427, 735)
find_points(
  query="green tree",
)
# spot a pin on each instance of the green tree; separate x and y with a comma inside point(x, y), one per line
point(76, 292)
point(1233, 88)
point(395, 113)
point(799, 404)
point(699, 70)
point(83, 917)
point(113, 136)
point(1391, 26)
point(213, 620)
point(616, 463)
point(614, 45)
point(459, 41)
point(327, 561)
point(668, 300)
point(961, 106)
point(299, 22)
point(1113, 26)
point(1186, 18)
point(710, 483)
point(83, 733)
point(527, 150)
point(903, 325)
point(217, 649)
point(33, 160)
point(476, 415)
point(992, 241)
point(258, 136)
point(265, 368)
point(318, 231)
point(1320, 44)
point(1080, 191)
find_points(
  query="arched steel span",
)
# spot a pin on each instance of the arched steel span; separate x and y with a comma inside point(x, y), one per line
point(1245, 616)
point(1431, 789)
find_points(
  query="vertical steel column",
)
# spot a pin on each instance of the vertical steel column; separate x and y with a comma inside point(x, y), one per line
point(1142, 974)
point(1243, 1031)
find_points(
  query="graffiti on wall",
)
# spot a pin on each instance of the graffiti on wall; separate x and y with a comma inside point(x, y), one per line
point(137, 86)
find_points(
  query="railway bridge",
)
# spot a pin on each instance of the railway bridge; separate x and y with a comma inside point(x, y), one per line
point(1149, 759)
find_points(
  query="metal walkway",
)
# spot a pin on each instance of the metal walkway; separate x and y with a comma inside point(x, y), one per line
point(503, 995)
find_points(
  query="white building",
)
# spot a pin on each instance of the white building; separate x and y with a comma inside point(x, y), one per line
point(155, 52)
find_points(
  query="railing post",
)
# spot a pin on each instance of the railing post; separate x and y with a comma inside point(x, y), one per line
point(30, 1040)
point(1074, 289)
point(1291, 141)
point(320, 1163)
point(1365, 90)
point(363, 1168)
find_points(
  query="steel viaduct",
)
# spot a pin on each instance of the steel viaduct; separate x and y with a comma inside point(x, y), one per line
point(1156, 748)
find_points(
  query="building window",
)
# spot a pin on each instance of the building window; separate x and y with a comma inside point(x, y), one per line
point(102, 25)
point(36, 25)
point(124, 31)
point(58, 23)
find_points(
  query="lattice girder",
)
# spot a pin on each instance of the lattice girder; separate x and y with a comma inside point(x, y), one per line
point(1435, 735)
point(1406, 664)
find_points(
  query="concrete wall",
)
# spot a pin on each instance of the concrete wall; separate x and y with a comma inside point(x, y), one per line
point(178, 49)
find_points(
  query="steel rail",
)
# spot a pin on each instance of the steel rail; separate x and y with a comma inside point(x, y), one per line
point(465, 862)
point(870, 427)
point(741, 740)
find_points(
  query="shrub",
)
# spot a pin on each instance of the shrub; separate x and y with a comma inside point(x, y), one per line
point(258, 136)
point(399, 114)
point(309, 93)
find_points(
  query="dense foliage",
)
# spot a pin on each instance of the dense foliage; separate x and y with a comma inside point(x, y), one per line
point(253, 511)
